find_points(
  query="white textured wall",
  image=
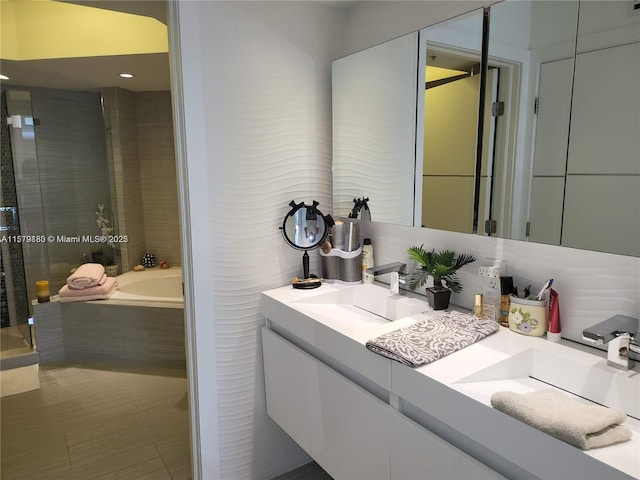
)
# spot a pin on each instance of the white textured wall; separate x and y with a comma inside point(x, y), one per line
point(256, 85)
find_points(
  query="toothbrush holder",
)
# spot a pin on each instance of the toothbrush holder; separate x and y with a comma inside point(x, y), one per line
point(341, 266)
point(528, 316)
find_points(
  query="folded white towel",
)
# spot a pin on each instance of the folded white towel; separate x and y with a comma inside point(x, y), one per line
point(86, 276)
point(583, 425)
point(99, 292)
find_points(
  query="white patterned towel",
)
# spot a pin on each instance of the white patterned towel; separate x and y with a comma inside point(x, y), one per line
point(432, 338)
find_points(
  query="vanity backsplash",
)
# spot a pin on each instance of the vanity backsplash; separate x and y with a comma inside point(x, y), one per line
point(593, 286)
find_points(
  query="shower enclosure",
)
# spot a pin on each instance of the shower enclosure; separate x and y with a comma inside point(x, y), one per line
point(54, 175)
point(14, 310)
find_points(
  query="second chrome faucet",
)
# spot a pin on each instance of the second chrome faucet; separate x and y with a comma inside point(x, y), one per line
point(620, 333)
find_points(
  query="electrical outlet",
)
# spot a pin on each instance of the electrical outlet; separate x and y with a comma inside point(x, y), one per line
point(490, 275)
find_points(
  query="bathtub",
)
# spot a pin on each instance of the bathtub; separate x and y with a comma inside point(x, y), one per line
point(142, 323)
point(153, 287)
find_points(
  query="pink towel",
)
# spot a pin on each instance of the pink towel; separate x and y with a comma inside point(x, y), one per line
point(100, 292)
point(86, 276)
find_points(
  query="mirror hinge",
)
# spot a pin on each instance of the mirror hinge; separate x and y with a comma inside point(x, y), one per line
point(536, 106)
point(490, 226)
point(497, 109)
point(528, 230)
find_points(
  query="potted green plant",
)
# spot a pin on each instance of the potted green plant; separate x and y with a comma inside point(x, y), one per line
point(442, 266)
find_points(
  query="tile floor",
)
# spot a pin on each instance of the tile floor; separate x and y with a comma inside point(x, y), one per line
point(90, 423)
point(95, 423)
point(310, 471)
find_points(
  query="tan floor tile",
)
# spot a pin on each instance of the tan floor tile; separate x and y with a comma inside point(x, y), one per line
point(176, 454)
point(110, 461)
point(150, 470)
point(33, 461)
point(99, 424)
point(131, 436)
point(56, 472)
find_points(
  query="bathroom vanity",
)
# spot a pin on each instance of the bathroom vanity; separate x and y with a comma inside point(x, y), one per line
point(361, 415)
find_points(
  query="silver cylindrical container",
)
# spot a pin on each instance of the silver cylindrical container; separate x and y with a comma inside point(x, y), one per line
point(350, 269)
point(342, 266)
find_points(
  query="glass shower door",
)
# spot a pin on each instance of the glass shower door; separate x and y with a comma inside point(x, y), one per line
point(14, 304)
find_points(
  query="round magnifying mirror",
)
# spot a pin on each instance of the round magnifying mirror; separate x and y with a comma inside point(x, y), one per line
point(305, 228)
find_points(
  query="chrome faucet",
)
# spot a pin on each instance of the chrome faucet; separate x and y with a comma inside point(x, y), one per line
point(397, 271)
point(620, 333)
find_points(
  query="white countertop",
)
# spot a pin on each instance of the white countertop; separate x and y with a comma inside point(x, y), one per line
point(457, 370)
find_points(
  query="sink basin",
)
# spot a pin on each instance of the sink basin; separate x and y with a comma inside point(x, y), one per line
point(373, 299)
point(581, 374)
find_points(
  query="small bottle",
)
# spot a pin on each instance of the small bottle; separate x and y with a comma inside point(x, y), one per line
point(477, 305)
point(367, 260)
point(506, 288)
point(84, 259)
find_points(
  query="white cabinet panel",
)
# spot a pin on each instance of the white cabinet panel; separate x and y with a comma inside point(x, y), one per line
point(349, 432)
point(601, 213)
point(545, 216)
point(350, 429)
point(344, 428)
point(552, 121)
point(417, 453)
point(606, 100)
point(286, 370)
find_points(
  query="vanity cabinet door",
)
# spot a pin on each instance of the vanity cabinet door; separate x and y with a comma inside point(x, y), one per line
point(417, 453)
point(350, 428)
point(344, 428)
point(286, 371)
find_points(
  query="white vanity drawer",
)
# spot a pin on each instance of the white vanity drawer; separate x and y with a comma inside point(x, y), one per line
point(349, 432)
point(344, 428)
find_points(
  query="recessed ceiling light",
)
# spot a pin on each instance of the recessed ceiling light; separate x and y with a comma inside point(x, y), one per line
point(4, 77)
point(126, 75)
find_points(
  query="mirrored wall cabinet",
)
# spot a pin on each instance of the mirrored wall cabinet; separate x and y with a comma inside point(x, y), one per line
point(520, 120)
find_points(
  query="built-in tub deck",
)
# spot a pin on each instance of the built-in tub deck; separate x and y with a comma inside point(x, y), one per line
point(141, 324)
point(152, 287)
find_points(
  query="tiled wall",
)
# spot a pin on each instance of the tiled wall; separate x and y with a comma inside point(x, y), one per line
point(120, 106)
point(143, 162)
point(158, 175)
point(110, 334)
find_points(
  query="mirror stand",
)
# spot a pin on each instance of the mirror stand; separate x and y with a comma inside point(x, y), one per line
point(305, 228)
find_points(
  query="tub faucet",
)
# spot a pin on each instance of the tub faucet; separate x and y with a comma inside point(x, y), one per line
point(620, 333)
point(397, 277)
